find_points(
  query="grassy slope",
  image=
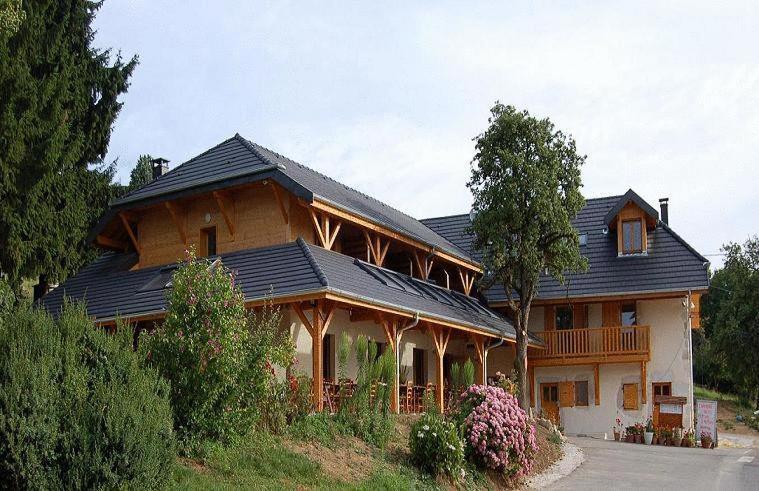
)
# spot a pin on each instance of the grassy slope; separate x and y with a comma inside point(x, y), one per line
point(728, 407)
point(266, 462)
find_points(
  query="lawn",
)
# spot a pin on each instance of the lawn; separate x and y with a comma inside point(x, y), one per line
point(729, 407)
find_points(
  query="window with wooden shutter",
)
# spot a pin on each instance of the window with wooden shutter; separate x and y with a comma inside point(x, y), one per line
point(566, 394)
point(630, 396)
point(581, 393)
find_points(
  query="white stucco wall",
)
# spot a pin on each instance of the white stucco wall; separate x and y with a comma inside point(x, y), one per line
point(670, 362)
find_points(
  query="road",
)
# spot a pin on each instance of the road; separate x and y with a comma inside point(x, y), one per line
point(615, 465)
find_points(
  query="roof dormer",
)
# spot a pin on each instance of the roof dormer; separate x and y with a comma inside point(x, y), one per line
point(632, 218)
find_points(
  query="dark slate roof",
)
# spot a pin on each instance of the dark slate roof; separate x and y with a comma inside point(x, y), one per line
point(629, 196)
point(455, 228)
point(670, 265)
point(237, 161)
point(109, 288)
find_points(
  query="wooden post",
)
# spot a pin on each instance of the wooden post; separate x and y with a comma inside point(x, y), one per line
point(597, 383)
point(440, 336)
point(321, 317)
point(531, 379)
point(479, 348)
point(643, 381)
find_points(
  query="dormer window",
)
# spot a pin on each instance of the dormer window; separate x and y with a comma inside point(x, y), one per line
point(632, 236)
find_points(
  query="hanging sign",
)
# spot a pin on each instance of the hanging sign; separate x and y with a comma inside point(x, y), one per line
point(671, 408)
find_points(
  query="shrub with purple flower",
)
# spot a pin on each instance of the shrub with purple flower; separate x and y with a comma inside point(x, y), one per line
point(497, 432)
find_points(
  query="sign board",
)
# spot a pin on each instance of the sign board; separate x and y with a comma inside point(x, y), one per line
point(671, 408)
point(706, 418)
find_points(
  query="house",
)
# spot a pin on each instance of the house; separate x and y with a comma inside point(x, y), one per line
point(336, 260)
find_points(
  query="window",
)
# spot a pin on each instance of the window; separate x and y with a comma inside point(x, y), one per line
point(632, 237)
point(380, 349)
point(420, 367)
point(583, 239)
point(629, 315)
point(661, 388)
point(564, 317)
point(327, 357)
point(208, 241)
point(581, 393)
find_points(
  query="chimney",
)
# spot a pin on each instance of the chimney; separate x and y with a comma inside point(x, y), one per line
point(664, 205)
point(160, 167)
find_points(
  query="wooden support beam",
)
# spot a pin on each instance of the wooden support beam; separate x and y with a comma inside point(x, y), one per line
point(376, 251)
point(597, 383)
point(322, 224)
point(322, 312)
point(280, 201)
point(110, 243)
point(177, 216)
point(643, 382)
point(440, 336)
point(227, 210)
point(467, 280)
point(123, 215)
point(424, 263)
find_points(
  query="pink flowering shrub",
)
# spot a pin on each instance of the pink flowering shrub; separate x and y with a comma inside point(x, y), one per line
point(497, 432)
point(219, 359)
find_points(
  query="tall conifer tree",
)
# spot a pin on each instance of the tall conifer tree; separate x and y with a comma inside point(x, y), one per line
point(58, 102)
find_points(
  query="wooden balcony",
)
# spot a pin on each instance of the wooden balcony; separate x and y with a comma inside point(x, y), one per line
point(594, 345)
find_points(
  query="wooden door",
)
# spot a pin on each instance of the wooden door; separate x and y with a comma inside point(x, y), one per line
point(549, 401)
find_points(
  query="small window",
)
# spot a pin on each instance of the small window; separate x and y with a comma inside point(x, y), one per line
point(632, 237)
point(583, 239)
point(564, 317)
point(208, 241)
point(327, 348)
point(629, 315)
point(581, 393)
point(661, 388)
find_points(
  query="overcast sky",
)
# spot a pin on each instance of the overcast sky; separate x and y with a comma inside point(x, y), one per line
point(664, 100)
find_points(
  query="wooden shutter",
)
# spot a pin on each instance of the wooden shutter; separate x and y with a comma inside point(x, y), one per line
point(695, 313)
point(630, 396)
point(550, 317)
point(566, 394)
point(612, 314)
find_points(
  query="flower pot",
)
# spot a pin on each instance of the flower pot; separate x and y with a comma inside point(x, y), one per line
point(677, 442)
point(638, 438)
point(655, 440)
point(616, 436)
point(706, 443)
point(630, 438)
point(648, 437)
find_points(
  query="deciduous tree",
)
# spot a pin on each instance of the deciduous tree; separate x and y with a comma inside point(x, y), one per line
point(526, 186)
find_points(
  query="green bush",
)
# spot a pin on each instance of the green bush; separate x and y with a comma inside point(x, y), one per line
point(77, 409)
point(436, 447)
point(219, 359)
point(7, 297)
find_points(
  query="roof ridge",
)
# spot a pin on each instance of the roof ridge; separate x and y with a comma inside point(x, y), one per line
point(332, 179)
point(172, 171)
point(456, 215)
point(312, 261)
point(252, 147)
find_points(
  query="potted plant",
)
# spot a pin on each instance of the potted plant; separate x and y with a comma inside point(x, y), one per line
point(657, 433)
point(617, 430)
point(667, 436)
point(649, 433)
point(691, 438)
point(677, 437)
point(639, 429)
point(630, 434)
point(706, 440)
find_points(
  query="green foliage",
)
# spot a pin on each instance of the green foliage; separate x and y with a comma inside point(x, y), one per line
point(77, 409)
point(220, 361)
point(142, 172)
point(58, 102)
point(7, 297)
point(436, 447)
point(343, 352)
point(727, 356)
point(11, 17)
point(467, 373)
point(367, 412)
point(526, 186)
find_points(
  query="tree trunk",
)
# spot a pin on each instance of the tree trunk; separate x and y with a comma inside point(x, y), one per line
point(520, 362)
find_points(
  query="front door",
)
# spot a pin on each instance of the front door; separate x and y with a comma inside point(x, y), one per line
point(549, 401)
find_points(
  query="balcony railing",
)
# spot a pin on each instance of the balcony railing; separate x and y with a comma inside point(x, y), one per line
point(595, 342)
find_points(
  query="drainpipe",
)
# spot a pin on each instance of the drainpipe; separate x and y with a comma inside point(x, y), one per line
point(398, 335)
point(485, 360)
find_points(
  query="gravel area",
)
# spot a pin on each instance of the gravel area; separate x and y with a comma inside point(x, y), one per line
point(573, 457)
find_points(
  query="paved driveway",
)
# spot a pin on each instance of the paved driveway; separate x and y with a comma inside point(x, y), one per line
point(616, 465)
